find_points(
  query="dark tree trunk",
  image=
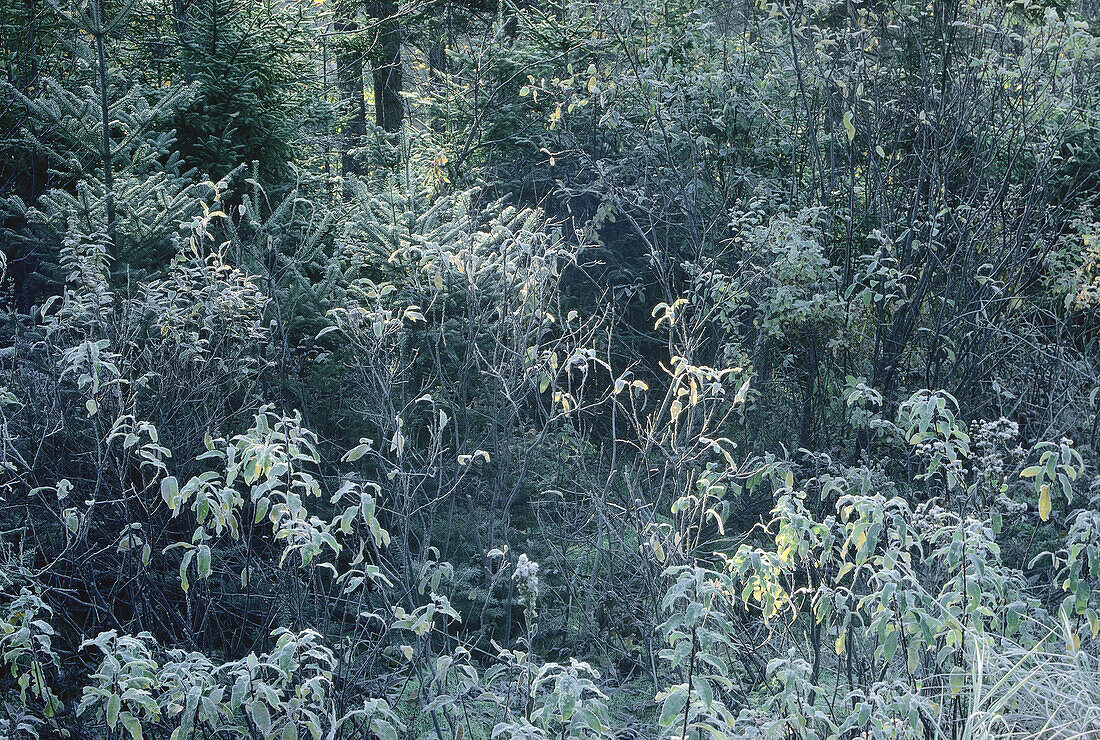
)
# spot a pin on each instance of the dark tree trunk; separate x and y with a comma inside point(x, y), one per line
point(105, 114)
point(349, 78)
point(437, 58)
point(389, 108)
point(182, 23)
point(28, 85)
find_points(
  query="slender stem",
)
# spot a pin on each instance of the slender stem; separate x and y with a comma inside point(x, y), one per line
point(105, 116)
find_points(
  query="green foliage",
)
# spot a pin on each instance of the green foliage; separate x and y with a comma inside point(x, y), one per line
point(26, 639)
point(646, 370)
point(254, 102)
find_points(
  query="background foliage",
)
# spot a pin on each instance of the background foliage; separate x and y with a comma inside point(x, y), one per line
point(510, 370)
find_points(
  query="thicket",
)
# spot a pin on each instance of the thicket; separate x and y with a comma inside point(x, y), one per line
point(584, 369)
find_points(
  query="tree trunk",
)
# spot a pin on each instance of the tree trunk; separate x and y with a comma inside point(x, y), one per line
point(437, 60)
point(349, 78)
point(389, 108)
point(182, 23)
point(105, 115)
point(28, 85)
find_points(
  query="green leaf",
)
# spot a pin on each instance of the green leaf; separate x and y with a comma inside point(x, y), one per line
point(131, 723)
point(384, 729)
point(674, 704)
point(891, 646)
point(203, 561)
point(358, 451)
point(261, 510)
point(169, 491)
point(261, 716)
point(184, 563)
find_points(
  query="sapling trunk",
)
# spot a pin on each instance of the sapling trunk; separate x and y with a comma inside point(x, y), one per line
point(105, 117)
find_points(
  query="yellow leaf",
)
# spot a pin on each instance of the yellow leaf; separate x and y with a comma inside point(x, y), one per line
point(1044, 502)
point(849, 127)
